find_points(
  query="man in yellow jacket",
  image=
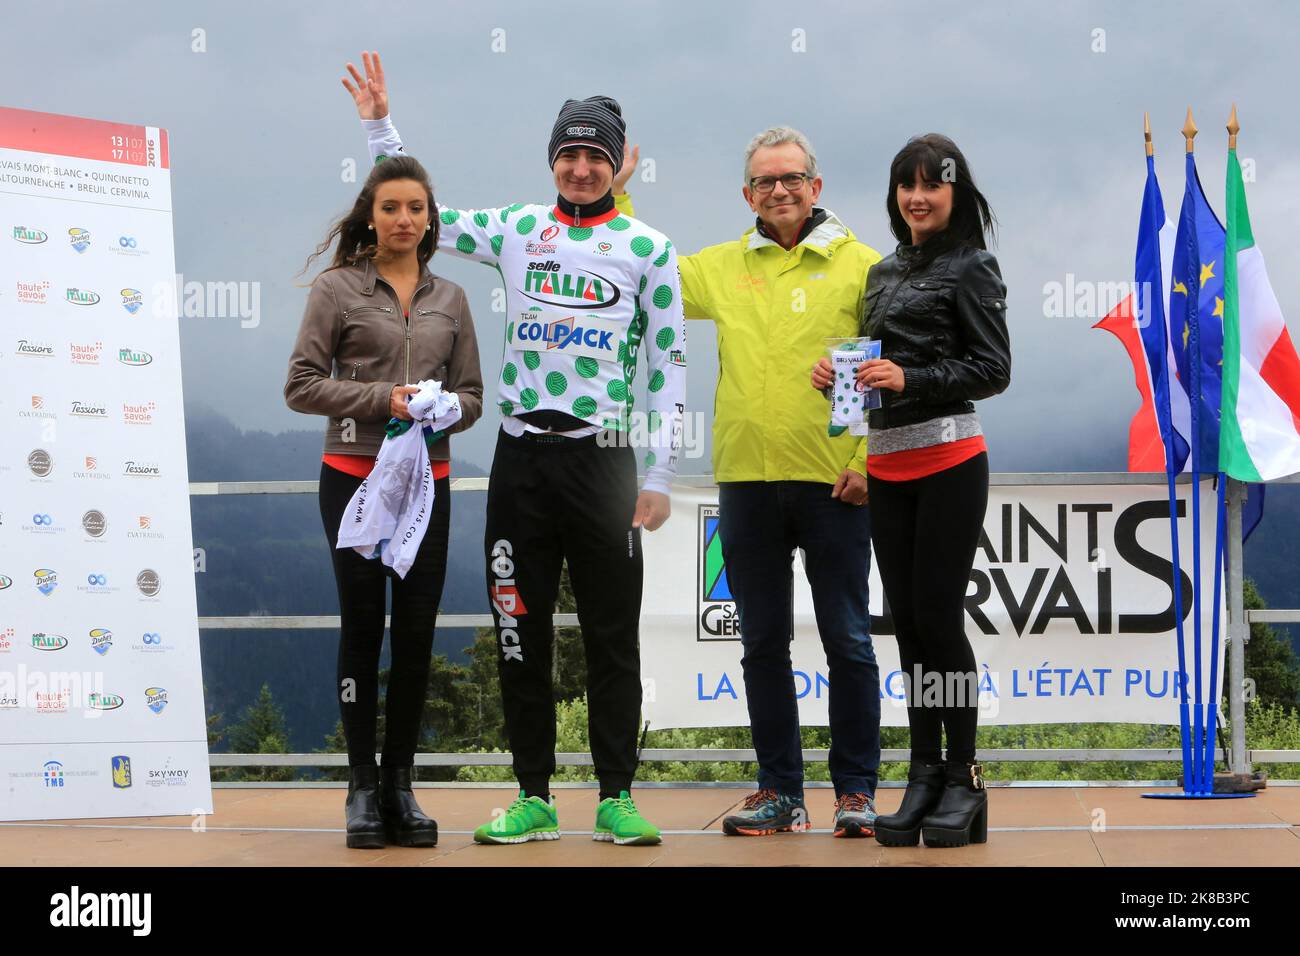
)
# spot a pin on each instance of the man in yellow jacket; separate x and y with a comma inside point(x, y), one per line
point(776, 294)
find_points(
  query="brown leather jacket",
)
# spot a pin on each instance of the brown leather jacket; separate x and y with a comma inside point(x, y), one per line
point(353, 347)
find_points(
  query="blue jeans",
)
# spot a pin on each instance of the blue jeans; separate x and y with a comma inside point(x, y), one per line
point(761, 523)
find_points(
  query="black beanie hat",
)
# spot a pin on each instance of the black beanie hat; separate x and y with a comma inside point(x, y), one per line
point(596, 122)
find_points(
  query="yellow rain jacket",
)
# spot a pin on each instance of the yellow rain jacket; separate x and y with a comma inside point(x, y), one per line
point(774, 310)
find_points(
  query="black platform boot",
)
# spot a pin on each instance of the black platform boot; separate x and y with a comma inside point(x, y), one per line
point(365, 827)
point(962, 816)
point(404, 823)
point(924, 788)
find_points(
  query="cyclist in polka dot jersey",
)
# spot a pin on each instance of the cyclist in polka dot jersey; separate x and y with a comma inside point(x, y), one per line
point(587, 290)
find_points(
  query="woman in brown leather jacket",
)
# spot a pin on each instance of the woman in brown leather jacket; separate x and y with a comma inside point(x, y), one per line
point(938, 307)
point(376, 322)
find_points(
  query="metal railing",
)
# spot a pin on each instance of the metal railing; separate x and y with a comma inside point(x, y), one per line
point(1236, 634)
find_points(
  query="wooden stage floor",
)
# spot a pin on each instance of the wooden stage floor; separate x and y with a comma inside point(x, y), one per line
point(1029, 826)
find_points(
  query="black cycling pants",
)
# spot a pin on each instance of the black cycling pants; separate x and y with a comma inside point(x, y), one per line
point(553, 500)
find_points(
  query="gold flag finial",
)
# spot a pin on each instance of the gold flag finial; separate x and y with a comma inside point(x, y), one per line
point(1233, 128)
point(1189, 129)
point(1146, 130)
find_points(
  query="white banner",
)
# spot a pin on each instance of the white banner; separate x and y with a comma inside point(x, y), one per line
point(1069, 612)
point(101, 696)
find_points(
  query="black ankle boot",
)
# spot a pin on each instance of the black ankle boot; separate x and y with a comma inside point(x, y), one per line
point(924, 788)
point(365, 828)
point(962, 815)
point(404, 824)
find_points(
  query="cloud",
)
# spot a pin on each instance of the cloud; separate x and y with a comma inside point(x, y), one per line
point(260, 127)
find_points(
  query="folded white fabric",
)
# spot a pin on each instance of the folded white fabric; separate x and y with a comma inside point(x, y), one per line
point(848, 398)
point(389, 512)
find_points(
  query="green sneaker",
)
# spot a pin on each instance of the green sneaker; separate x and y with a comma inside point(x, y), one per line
point(527, 819)
point(618, 821)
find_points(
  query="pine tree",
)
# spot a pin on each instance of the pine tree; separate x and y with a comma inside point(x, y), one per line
point(1270, 659)
point(261, 730)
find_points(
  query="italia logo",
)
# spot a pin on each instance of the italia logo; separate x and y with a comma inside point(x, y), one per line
point(133, 357)
point(29, 236)
point(49, 642)
point(545, 283)
point(82, 297)
point(105, 702)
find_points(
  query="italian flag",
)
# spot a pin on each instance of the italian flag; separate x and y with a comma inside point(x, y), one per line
point(1259, 439)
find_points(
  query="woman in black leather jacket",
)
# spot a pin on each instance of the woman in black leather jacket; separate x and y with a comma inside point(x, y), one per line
point(938, 306)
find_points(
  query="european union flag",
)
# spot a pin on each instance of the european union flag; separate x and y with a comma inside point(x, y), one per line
point(1196, 312)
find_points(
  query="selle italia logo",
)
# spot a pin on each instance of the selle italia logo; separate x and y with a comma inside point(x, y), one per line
point(548, 283)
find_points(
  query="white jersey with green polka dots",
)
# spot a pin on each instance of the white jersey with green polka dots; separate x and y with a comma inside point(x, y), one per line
point(582, 299)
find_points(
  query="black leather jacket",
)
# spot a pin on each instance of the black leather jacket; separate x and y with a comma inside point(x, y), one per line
point(944, 323)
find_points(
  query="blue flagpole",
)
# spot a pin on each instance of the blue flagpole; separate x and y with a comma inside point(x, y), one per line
point(1212, 705)
point(1151, 308)
point(1194, 365)
point(1184, 717)
point(1191, 277)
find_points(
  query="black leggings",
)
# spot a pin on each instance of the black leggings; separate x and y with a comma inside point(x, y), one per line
point(362, 590)
point(925, 532)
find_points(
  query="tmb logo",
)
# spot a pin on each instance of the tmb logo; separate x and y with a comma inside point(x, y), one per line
point(716, 616)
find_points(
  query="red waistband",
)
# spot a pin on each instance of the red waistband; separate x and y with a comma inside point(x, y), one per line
point(921, 462)
point(360, 466)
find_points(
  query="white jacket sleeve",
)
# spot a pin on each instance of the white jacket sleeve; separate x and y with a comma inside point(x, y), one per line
point(663, 330)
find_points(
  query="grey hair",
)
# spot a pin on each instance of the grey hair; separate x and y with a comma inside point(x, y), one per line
point(775, 136)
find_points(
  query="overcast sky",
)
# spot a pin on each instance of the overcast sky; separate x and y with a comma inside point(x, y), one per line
point(261, 128)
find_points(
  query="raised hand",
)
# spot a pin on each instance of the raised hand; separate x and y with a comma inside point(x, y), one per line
point(631, 156)
point(370, 93)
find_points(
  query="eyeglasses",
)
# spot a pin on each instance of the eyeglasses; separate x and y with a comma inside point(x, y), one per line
point(792, 182)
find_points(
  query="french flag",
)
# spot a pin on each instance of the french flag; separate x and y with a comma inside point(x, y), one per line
point(1158, 433)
